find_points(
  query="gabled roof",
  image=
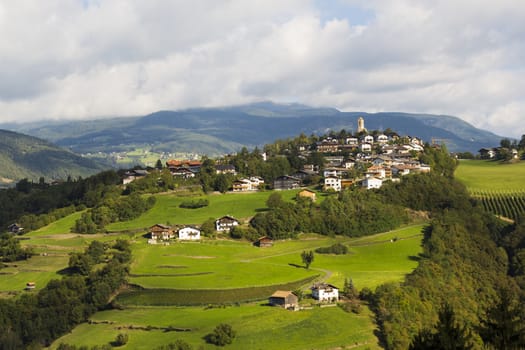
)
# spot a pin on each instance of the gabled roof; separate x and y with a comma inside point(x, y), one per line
point(287, 177)
point(162, 226)
point(191, 227)
point(281, 294)
point(320, 286)
point(229, 217)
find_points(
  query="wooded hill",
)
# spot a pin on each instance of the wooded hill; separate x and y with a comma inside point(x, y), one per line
point(25, 156)
point(215, 131)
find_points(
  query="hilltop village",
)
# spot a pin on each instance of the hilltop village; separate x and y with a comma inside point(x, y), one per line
point(329, 163)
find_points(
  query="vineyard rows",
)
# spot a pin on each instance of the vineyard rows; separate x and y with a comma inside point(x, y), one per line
point(509, 204)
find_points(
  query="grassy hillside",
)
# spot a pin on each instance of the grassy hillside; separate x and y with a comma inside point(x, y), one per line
point(373, 260)
point(222, 272)
point(499, 187)
point(24, 156)
point(483, 175)
point(257, 326)
point(193, 280)
point(166, 209)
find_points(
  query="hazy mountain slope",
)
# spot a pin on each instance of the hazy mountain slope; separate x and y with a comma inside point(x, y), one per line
point(24, 156)
point(216, 131)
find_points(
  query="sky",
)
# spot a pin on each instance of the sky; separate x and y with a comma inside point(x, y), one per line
point(88, 59)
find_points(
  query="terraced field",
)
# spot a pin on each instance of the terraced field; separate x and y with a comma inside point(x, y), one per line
point(372, 260)
point(500, 188)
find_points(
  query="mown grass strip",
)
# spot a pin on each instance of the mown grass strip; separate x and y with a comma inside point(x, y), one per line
point(191, 297)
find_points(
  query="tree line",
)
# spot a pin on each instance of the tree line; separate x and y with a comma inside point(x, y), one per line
point(34, 205)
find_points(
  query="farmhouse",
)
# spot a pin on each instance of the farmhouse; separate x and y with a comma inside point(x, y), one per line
point(372, 182)
point(15, 229)
point(225, 169)
point(325, 292)
point(286, 182)
point(264, 242)
point(306, 193)
point(332, 182)
point(189, 234)
point(242, 185)
point(132, 175)
point(184, 172)
point(285, 299)
point(30, 286)
point(328, 146)
point(161, 232)
point(304, 174)
point(225, 223)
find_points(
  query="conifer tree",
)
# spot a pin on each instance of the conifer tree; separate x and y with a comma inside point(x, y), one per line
point(504, 324)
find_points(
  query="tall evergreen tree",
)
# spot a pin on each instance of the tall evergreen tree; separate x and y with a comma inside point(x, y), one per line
point(504, 325)
point(449, 335)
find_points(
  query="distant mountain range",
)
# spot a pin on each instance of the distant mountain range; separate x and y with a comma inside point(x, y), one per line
point(215, 131)
point(23, 156)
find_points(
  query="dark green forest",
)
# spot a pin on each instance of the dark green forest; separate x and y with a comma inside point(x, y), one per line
point(35, 320)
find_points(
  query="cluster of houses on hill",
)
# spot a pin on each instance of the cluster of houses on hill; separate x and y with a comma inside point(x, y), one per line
point(379, 161)
point(375, 159)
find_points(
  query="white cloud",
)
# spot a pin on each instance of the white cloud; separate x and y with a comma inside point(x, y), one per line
point(89, 59)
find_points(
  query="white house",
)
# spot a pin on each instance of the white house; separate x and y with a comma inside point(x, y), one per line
point(329, 172)
point(365, 147)
point(401, 169)
point(352, 141)
point(189, 234)
point(325, 292)
point(368, 139)
point(376, 171)
point(225, 223)
point(348, 164)
point(382, 139)
point(332, 182)
point(256, 182)
point(372, 182)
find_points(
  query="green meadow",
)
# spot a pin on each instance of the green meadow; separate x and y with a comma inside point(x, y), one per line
point(190, 270)
point(499, 187)
point(491, 176)
point(257, 326)
point(39, 269)
point(167, 210)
